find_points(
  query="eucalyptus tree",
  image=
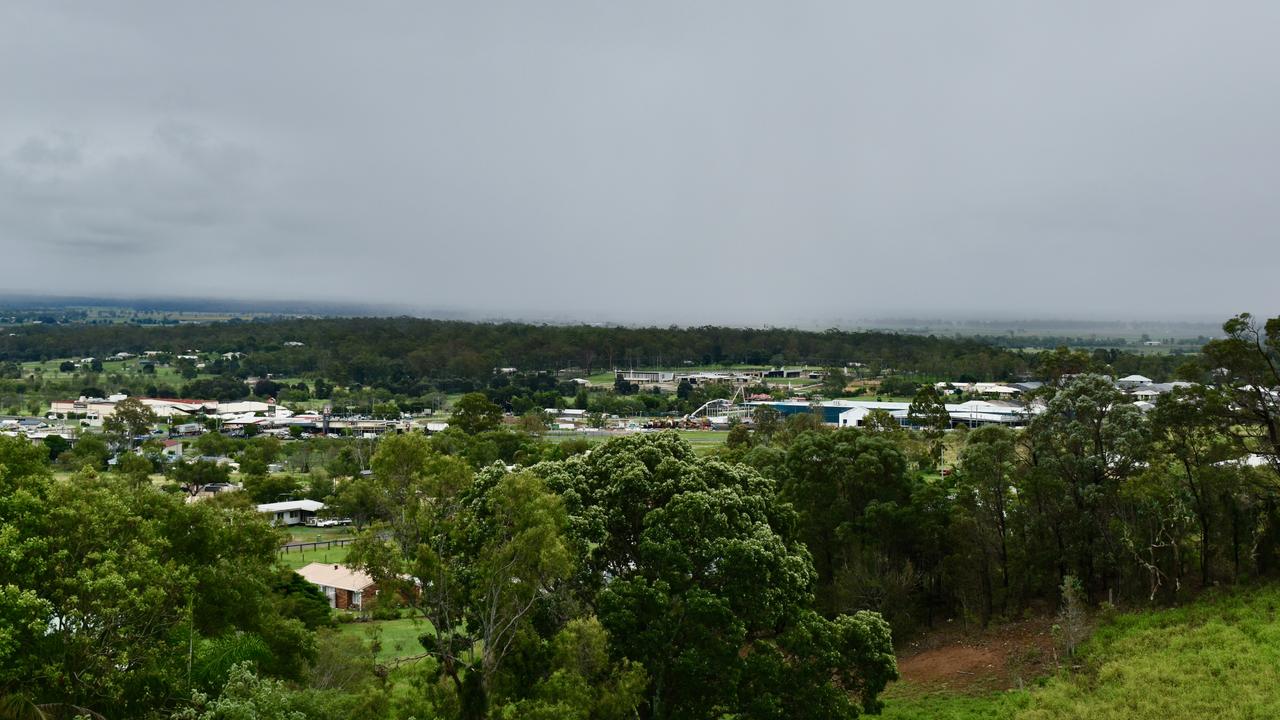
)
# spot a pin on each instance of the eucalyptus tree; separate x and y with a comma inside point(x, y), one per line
point(473, 558)
point(130, 419)
point(1087, 442)
point(929, 413)
point(1246, 368)
point(986, 489)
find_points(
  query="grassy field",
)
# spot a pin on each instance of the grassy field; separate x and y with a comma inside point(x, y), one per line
point(956, 707)
point(302, 533)
point(705, 439)
point(163, 375)
point(1216, 658)
point(397, 638)
point(296, 560)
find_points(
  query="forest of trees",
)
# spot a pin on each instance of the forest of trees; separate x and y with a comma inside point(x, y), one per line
point(388, 366)
point(399, 353)
point(638, 578)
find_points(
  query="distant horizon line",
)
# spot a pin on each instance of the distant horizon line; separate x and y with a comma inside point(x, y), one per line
point(204, 304)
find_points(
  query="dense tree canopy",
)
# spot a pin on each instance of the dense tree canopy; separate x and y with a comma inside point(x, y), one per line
point(695, 572)
point(107, 583)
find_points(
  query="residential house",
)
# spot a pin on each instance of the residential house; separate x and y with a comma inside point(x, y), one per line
point(347, 589)
point(172, 450)
point(291, 512)
point(1129, 382)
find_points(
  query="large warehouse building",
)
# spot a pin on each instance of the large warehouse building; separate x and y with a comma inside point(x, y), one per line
point(851, 413)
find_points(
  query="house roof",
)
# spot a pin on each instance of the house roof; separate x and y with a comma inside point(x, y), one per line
point(1135, 378)
point(307, 505)
point(179, 401)
point(335, 576)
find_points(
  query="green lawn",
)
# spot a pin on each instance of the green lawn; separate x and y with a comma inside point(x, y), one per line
point(704, 439)
point(1216, 658)
point(397, 638)
point(302, 533)
point(296, 560)
point(126, 369)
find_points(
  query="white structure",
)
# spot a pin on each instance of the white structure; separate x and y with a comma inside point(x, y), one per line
point(98, 408)
point(980, 388)
point(291, 512)
point(1152, 391)
point(173, 449)
point(646, 376)
point(973, 412)
point(1133, 381)
point(245, 406)
point(852, 413)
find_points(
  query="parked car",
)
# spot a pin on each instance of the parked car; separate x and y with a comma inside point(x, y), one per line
point(328, 522)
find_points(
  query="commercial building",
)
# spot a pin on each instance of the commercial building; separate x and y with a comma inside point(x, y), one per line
point(852, 413)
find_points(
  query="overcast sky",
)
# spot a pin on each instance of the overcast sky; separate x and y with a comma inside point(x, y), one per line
point(688, 162)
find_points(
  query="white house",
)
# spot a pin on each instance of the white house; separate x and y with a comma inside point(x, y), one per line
point(291, 512)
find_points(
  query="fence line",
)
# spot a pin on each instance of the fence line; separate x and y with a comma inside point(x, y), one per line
point(304, 546)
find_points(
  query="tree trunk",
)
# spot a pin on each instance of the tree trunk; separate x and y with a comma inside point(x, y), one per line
point(473, 701)
point(1204, 549)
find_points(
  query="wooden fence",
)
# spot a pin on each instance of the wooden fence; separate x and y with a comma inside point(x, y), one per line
point(305, 546)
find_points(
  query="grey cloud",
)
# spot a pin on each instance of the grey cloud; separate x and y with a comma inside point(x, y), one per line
point(170, 186)
point(54, 151)
point(746, 162)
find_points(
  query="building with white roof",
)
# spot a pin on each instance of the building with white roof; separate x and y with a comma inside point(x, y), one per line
point(291, 512)
point(852, 413)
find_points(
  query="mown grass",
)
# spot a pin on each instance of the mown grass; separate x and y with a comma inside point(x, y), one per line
point(396, 639)
point(305, 533)
point(1216, 658)
point(334, 555)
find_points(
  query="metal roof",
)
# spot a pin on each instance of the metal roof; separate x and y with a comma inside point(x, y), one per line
point(307, 505)
point(336, 576)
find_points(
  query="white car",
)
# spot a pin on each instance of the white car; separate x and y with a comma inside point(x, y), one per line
point(332, 522)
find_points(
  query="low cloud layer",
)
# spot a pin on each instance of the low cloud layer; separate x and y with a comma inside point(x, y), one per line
point(798, 163)
point(169, 191)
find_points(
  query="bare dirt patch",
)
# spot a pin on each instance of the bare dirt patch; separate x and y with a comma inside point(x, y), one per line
point(978, 661)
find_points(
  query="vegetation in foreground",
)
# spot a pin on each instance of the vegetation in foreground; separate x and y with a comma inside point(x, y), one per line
point(1217, 657)
point(644, 579)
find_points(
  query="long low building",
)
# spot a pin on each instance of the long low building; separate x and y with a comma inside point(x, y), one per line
point(852, 413)
point(291, 512)
point(98, 408)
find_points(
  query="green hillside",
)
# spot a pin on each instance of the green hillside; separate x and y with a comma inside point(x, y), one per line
point(1216, 658)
